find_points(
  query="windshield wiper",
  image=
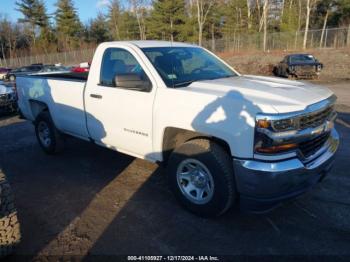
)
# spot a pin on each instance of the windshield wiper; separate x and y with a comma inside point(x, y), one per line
point(185, 83)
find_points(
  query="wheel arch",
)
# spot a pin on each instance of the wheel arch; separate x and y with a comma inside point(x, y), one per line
point(36, 107)
point(174, 137)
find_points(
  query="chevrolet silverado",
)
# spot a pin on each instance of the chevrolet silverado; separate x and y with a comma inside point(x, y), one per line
point(227, 139)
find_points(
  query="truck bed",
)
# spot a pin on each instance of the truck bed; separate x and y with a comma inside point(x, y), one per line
point(61, 93)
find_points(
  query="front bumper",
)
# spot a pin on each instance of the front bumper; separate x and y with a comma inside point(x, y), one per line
point(264, 185)
point(8, 101)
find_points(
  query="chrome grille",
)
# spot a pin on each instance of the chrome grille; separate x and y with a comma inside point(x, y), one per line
point(316, 119)
point(308, 148)
point(305, 68)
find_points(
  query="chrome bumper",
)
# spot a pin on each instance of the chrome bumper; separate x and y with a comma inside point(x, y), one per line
point(263, 185)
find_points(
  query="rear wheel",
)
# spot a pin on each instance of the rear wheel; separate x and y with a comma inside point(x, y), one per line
point(200, 174)
point(10, 234)
point(49, 138)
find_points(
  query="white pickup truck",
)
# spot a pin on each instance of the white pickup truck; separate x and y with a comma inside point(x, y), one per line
point(226, 138)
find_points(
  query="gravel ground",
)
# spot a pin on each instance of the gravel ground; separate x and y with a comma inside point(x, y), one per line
point(92, 201)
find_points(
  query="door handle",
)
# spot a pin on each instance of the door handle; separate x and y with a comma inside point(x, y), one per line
point(96, 96)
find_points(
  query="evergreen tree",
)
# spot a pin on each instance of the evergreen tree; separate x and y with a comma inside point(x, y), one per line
point(290, 17)
point(114, 19)
point(34, 12)
point(122, 24)
point(212, 30)
point(68, 24)
point(167, 20)
point(342, 13)
point(128, 28)
point(41, 14)
point(98, 29)
point(236, 20)
point(47, 38)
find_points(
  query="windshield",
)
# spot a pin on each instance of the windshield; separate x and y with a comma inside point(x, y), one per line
point(180, 66)
point(302, 59)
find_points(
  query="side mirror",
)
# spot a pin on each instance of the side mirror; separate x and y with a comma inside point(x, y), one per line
point(133, 82)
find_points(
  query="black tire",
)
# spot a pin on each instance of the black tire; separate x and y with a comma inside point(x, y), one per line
point(10, 234)
point(219, 164)
point(56, 144)
point(13, 108)
point(275, 71)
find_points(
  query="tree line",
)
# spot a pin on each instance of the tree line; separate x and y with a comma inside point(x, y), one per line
point(175, 20)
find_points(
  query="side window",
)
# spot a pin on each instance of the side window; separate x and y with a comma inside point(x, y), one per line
point(116, 62)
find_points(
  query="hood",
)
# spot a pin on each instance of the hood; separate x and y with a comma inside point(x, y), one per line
point(5, 90)
point(282, 95)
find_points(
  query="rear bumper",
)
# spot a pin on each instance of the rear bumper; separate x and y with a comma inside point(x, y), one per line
point(264, 185)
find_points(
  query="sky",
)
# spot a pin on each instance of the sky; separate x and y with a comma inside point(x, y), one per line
point(87, 9)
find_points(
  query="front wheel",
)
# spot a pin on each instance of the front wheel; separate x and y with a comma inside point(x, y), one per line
point(200, 174)
point(275, 71)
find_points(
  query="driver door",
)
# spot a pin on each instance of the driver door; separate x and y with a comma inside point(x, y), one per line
point(119, 117)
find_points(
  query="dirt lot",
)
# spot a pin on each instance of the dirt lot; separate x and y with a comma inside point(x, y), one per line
point(336, 62)
point(92, 201)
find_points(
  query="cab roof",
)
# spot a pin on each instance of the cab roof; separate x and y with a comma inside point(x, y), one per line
point(155, 43)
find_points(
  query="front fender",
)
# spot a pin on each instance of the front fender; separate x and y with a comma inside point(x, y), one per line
point(231, 120)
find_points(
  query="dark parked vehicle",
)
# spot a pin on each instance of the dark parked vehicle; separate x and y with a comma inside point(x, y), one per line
point(26, 70)
point(8, 99)
point(55, 69)
point(298, 66)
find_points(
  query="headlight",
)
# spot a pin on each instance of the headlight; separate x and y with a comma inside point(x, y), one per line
point(277, 125)
point(277, 133)
point(279, 129)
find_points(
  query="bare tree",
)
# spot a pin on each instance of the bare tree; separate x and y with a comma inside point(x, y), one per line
point(309, 5)
point(257, 3)
point(8, 37)
point(282, 7)
point(138, 7)
point(299, 24)
point(114, 12)
point(249, 14)
point(348, 37)
point(324, 27)
point(264, 18)
point(299, 15)
point(203, 8)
